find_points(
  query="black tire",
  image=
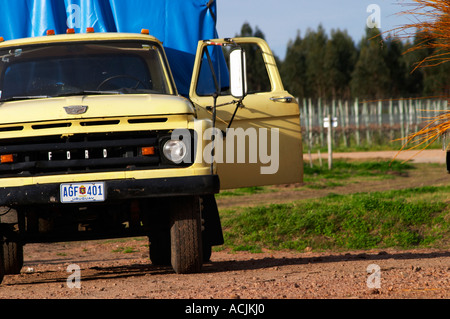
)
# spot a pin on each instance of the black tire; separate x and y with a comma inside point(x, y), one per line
point(159, 252)
point(186, 235)
point(12, 257)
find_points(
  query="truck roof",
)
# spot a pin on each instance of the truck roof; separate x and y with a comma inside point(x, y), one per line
point(78, 37)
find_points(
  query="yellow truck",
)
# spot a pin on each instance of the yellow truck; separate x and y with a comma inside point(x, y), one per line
point(96, 142)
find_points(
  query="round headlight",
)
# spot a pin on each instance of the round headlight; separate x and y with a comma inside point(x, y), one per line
point(175, 150)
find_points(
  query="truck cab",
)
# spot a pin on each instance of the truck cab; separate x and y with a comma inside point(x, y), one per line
point(96, 142)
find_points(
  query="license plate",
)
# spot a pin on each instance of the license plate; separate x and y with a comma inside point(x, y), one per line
point(82, 192)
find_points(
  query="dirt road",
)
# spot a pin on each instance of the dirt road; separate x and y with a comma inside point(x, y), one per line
point(121, 269)
point(279, 275)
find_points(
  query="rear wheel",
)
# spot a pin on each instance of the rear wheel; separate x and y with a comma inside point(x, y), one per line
point(186, 235)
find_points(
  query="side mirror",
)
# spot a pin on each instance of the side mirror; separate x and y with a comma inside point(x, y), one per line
point(238, 73)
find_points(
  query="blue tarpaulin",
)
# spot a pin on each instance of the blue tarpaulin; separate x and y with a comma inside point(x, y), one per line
point(179, 24)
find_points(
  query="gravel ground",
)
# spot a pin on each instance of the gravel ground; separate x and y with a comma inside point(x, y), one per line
point(371, 274)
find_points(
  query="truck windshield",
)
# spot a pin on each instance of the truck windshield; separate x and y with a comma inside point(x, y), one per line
point(81, 69)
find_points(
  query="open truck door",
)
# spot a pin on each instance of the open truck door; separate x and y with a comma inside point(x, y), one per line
point(258, 136)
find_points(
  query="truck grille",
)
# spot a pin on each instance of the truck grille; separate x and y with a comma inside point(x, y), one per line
point(96, 152)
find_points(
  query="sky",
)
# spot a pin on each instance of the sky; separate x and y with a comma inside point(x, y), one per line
point(281, 20)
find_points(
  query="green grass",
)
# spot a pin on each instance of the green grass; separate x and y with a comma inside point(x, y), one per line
point(244, 191)
point(379, 143)
point(318, 177)
point(417, 217)
point(124, 250)
point(345, 169)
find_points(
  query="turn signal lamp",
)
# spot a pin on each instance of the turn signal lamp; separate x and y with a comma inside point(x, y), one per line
point(148, 150)
point(7, 158)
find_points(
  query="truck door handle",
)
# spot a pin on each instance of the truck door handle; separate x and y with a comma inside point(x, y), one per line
point(285, 99)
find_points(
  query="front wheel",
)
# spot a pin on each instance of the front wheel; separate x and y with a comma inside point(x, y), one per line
point(186, 235)
point(13, 257)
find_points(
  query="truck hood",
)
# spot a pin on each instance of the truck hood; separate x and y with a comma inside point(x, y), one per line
point(98, 106)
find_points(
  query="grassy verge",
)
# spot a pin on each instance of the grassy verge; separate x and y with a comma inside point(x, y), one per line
point(377, 145)
point(346, 171)
point(416, 217)
point(343, 172)
point(244, 191)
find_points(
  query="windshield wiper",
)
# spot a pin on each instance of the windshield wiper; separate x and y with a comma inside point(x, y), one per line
point(18, 98)
point(73, 93)
point(85, 92)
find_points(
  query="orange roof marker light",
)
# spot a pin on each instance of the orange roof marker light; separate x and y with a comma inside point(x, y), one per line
point(145, 31)
point(50, 32)
point(90, 30)
point(70, 31)
point(2, 39)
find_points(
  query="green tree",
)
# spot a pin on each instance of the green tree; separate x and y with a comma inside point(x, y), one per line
point(397, 66)
point(293, 68)
point(435, 73)
point(314, 45)
point(340, 58)
point(423, 78)
point(371, 77)
point(437, 81)
point(413, 77)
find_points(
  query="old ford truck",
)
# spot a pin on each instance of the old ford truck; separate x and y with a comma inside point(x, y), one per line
point(97, 142)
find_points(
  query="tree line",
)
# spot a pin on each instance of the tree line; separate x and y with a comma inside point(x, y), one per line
point(333, 66)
